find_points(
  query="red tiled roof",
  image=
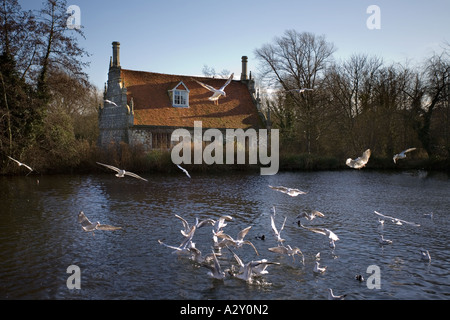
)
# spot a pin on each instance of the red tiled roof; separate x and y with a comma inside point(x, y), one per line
point(153, 106)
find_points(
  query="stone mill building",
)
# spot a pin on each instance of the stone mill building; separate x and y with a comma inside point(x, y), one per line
point(144, 108)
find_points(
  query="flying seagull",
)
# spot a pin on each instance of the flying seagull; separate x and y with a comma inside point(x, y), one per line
point(22, 164)
point(289, 191)
point(214, 270)
point(359, 162)
point(382, 240)
point(331, 296)
point(301, 90)
point(111, 102)
point(217, 92)
point(327, 232)
point(289, 251)
point(238, 242)
point(88, 226)
point(310, 216)
point(397, 220)
point(122, 173)
point(277, 233)
point(184, 170)
point(198, 224)
point(402, 155)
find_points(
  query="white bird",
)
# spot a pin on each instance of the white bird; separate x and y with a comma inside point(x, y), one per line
point(238, 242)
point(332, 244)
point(384, 241)
point(331, 296)
point(219, 224)
point(397, 220)
point(88, 226)
point(359, 162)
point(215, 270)
point(198, 224)
point(318, 269)
point(122, 173)
point(301, 90)
point(257, 267)
point(22, 164)
point(425, 255)
point(216, 92)
point(110, 102)
point(402, 155)
point(184, 170)
point(290, 191)
point(381, 221)
point(288, 250)
point(327, 232)
point(311, 215)
point(277, 233)
point(198, 257)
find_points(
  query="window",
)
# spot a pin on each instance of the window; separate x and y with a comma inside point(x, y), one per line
point(180, 95)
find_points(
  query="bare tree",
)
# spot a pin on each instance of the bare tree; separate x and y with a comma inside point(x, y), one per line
point(293, 61)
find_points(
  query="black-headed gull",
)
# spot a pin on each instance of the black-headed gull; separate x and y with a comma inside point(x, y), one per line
point(318, 268)
point(198, 224)
point(310, 215)
point(301, 90)
point(217, 93)
point(382, 240)
point(246, 271)
point(397, 220)
point(275, 231)
point(289, 191)
point(238, 242)
point(288, 250)
point(122, 173)
point(327, 232)
point(88, 226)
point(21, 164)
point(215, 271)
point(359, 162)
point(402, 155)
point(332, 296)
point(184, 170)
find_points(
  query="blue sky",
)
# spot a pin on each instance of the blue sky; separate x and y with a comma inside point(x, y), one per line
point(180, 37)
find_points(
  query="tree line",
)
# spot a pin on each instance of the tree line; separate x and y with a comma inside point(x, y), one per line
point(357, 103)
point(48, 108)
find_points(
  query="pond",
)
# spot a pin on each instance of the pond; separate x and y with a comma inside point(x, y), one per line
point(40, 236)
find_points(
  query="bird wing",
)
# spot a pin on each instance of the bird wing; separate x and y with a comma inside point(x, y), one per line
point(272, 223)
point(207, 86)
point(19, 163)
point(238, 260)
point(184, 170)
point(84, 220)
point(279, 188)
point(365, 156)
point(331, 235)
point(316, 230)
point(185, 226)
point(134, 175)
point(107, 227)
point(109, 166)
point(279, 249)
point(409, 150)
point(228, 82)
point(392, 218)
point(251, 244)
point(243, 233)
point(318, 214)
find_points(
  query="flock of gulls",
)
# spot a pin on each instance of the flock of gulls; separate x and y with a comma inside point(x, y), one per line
point(248, 271)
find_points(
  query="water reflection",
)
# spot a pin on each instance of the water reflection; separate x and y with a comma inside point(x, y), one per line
point(40, 236)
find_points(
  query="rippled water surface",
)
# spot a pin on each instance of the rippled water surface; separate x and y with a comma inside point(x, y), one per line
point(40, 236)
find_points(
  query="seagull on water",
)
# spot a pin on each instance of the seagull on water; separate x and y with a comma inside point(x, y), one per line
point(384, 241)
point(246, 271)
point(309, 216)
point(122, 173)
point(402, 155)
point(238, 242)
point(331, 296)
point(216, 92)
point(289, 251)
point(88, 226)
point(22, 164)
point(198, 257)
point(397, 221)
point(359, 162)
point(318, 269)
point(184, 170)
point(289, 191)
point(277, 233)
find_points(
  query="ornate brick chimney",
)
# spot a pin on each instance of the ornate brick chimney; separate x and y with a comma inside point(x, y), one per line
point(116, 54)
point(244, 68)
